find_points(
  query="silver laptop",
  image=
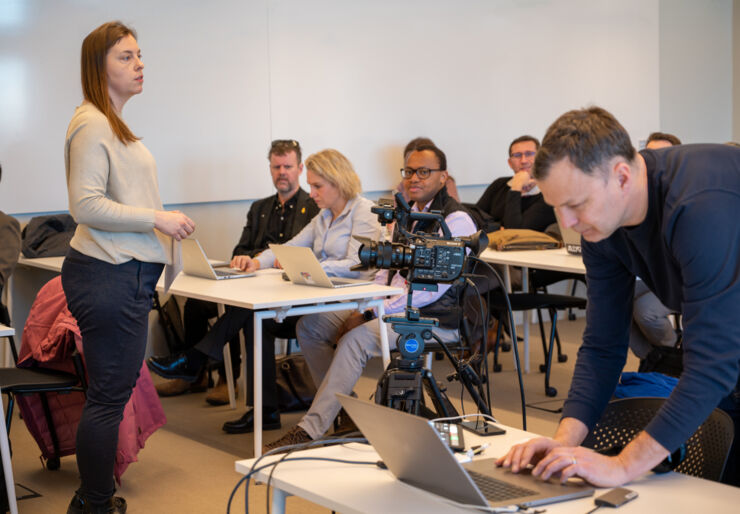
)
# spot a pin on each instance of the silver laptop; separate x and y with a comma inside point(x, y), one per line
point(414, 452)
point(302, 267)
point(195, 262)
point(571, 238)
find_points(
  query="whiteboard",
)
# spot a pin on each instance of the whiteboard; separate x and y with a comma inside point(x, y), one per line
point(224, 78)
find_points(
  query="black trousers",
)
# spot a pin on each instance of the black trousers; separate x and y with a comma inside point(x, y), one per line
point(111, 304)
point(227, 328)
point(197, 313)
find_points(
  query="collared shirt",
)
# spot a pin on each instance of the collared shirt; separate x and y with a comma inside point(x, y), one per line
point(280, 219)
point(460, 224)
point(332, 241)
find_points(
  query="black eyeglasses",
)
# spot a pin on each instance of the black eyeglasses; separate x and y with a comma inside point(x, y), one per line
point(519, 155)
point(420, 172)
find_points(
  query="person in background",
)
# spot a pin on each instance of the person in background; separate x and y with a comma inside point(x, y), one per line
point(643, 214)
point(335, 187)
point(410, 147)
point(658, 140)
point(10, 249)
point(651, 325)
point(117, 253)
point(274, 219)
point(337, 345)
point(516, 202)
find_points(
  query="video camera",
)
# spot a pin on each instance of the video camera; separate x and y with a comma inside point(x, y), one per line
point(425, 258)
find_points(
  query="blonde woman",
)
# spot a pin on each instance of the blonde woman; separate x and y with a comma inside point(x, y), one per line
point(335, 187)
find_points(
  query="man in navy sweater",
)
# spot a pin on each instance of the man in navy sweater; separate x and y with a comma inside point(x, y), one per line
point(670, 217)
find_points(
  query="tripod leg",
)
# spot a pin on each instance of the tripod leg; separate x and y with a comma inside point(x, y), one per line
point(442, 404)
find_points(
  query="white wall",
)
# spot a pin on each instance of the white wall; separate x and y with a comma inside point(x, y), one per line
point(224, 78)
point(696, 102)
point(696, 70)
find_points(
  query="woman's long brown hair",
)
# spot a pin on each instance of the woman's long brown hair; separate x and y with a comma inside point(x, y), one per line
point(94, 79)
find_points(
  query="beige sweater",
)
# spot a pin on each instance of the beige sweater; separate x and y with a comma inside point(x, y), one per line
point(113, 192)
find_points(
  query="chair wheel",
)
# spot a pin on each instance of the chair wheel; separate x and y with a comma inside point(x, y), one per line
point(551, 391)
point(497, 368)
point(543, 368)
point(53, 463)
point(562, 358)
point(506, 347)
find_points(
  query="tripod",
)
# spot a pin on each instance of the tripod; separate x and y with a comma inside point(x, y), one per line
point(403, 384)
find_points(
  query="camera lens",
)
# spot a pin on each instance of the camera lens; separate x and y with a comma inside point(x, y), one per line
point(385, 255)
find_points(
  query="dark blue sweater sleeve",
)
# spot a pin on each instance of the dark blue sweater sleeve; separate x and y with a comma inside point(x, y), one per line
point(704, 238)
point(601, 357)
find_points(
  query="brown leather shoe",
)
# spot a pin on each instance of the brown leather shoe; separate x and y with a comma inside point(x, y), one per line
point(219, 395)
point(178, 386)
point(295, 435)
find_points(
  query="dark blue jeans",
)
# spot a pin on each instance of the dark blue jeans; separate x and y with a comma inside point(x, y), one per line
point(111, 304)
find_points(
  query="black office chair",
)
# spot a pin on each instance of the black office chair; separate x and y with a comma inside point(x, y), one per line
point(540, 280)
point(16, 382)
point(706, 450)
point(534, 301)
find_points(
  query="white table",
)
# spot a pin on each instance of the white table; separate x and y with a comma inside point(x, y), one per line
point(6, 331)
point(269, 296)
point(555, 260)
point(349, 488)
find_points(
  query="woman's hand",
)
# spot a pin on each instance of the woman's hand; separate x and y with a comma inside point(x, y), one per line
point(174, 224)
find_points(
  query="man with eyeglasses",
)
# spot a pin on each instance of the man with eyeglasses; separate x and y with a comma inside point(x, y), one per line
point(516, 202)
point(337, 345)
point(274, 219)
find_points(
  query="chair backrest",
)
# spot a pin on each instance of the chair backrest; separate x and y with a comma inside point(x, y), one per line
point(706, 450)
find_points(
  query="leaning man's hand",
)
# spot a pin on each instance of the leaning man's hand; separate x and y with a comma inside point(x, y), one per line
point(531, 452)
point(599, 470)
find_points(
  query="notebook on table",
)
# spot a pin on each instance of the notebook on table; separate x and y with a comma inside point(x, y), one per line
point(195, 262)
point(302, 267)
point(414, 452)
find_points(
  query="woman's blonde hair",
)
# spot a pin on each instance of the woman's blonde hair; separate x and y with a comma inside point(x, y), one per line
point(94, 78)
point(336, 169)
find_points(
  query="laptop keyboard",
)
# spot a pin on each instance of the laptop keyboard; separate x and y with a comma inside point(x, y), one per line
point(497, 490)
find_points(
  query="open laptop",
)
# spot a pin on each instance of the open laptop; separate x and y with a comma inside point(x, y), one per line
point(302, 267)
point(195, 262)
point(571, 238)
point(414, 452)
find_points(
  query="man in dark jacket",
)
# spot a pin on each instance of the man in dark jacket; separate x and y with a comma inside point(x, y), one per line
point(515, 202)
point(274, 219)
point(669, 217)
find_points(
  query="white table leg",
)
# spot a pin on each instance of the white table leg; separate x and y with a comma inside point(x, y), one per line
point(278, 500)
point(385, 351)
point(257, 374)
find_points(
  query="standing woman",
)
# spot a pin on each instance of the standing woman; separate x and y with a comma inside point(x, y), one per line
point(117, 252)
